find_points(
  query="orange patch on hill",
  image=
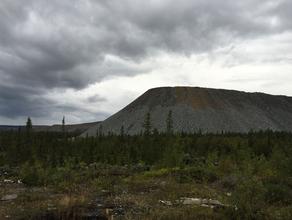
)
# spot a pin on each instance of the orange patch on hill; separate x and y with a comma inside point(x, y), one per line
point(197, 98)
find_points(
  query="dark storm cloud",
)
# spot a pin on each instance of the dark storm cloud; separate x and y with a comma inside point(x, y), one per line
point(23, 102)
point(67, 44)
point(50, 44)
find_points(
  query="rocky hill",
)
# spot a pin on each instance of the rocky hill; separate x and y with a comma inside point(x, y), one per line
point(208, 110)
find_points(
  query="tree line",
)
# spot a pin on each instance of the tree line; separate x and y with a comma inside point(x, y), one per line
point(255, 166)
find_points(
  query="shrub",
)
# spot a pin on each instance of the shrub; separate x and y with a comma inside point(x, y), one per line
point(278, 193)
point(196, 174)
point(34, 174)
point(249, 198)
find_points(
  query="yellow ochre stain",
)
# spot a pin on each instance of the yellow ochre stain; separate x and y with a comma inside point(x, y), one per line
point(198, 98)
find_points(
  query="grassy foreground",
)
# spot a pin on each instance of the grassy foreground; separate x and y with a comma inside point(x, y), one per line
point(52, 176)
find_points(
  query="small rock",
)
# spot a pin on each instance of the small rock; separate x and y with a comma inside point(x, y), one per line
point(211, 203)
point(9, 197)
point(8, 181)
point(119, 211)
point(228, 194)
point(215, 202)
point(105, 191)
point(99, 202)
point(51, 207)
point(163, 183)
point(208, 206)
point(168, 203)
point(191, 201)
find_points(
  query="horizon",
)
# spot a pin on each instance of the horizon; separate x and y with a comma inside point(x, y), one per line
point(85, 122)
point(88, 59)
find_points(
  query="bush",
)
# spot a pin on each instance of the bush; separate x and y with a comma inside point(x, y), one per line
point(229, 181)
point(249, 198)
point(159, 173)
point(278, 193)
point(196, 174)
point(173, 156)
point(34, 174)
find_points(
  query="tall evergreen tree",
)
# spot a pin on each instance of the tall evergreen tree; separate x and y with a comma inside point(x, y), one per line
point(122, 133)
point(100, 131)
point(147, 124)
point(28, 124)
point(63, 124)
point(169, 123)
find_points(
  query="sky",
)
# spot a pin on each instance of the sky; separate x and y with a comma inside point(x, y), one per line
point(87, 59)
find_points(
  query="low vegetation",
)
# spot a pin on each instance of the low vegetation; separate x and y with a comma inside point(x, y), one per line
point(144, 176)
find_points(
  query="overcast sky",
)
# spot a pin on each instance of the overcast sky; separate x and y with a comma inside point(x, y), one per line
point(86, 59)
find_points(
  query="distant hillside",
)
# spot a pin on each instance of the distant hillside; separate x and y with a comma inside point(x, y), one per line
point(8, 127)
point(208, 110)
point(79, 128)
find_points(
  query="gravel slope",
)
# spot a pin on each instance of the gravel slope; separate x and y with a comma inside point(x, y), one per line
point(208, 110)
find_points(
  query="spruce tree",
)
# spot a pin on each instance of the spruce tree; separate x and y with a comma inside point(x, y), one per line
point(147, 124)
point(100, 131)
point(122, 132)
point(63, 124)
point(169, 123)
point(28, 124)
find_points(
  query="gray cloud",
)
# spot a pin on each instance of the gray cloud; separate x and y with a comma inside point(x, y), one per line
point(51, 44)
point(75, 111)
point(47, 45)
point(96, 98)
point(23, 102)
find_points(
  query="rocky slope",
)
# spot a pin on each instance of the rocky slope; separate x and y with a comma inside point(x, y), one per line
point(208, 110)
